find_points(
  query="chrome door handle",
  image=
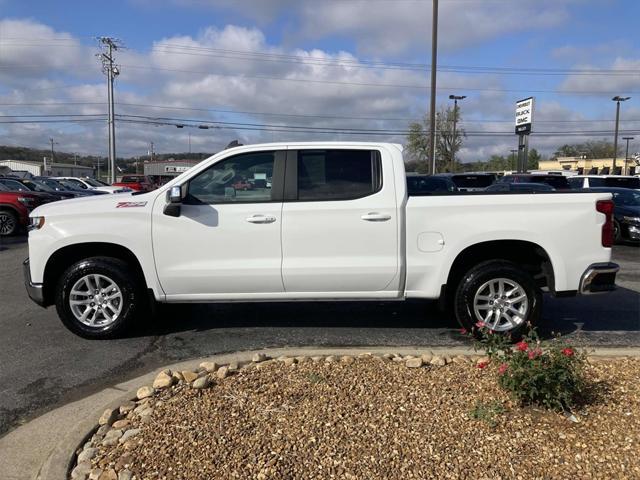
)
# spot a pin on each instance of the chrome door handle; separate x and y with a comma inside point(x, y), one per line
point(261, 219)
point(375, 217)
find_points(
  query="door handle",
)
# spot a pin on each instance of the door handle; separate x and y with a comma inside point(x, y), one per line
point(261, 219)
point(375, 217)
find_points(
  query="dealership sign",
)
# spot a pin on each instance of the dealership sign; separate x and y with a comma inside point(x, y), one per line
point(175, 169)
point(524, 116)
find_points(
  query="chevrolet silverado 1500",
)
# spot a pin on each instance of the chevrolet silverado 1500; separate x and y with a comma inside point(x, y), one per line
point(335, 223)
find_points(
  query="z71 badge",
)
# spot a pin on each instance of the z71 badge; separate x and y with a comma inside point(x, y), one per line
point(130, 204)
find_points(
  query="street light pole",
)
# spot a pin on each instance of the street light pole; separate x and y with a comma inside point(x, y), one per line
point(626, 153)
point(434, 62)
point(455, 99)
point(617, 99)
point(513, 157)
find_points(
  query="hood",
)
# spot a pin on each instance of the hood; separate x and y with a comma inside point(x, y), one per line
point(90, 204)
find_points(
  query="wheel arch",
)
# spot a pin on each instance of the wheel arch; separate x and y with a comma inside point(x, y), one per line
point(65, 256)
point(531, 256)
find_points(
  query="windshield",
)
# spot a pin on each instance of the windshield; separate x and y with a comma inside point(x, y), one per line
point(38, 186)
point(49, 182)
point(14, 185)
point(94, 182)
point(628, 199)
point(472, 181)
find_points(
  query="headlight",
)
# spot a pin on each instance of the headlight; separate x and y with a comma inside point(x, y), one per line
point(36, 223)
point(26, 201)
point(632, 220)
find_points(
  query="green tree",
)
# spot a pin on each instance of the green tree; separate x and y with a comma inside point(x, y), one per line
point(591, 149)
point(533, 159)
point(447, 144)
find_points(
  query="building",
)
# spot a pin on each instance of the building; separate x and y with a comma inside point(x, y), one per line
point(52, 169)
point(592, 166)
point(165, 170)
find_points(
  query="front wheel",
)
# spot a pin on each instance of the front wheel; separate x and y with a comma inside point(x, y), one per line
point(98, 297)
point(8, 223)
point(501, 295)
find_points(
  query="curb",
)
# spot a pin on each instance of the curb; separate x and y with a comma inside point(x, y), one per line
point(80, 418)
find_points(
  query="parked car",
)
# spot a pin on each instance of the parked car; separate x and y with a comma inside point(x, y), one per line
point(520, 187)
point(590, 181)
point(419, 184)
point(626, 212)
point(470, 182)
point(16, 185)
point(139, 183)
point(242, 185)
point(68, 189)
point(559, 182)
point(341, 226)
point(14, 210)
point(75, 186)
point(87, 183)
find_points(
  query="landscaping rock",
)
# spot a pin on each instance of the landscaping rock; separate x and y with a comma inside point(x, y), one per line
point(109, 416)
point(233, 366)
point(124, 461)
point(414, 363)
point(209, 366)
point(81, 471)
point(128, 435)
point(223, 372)
point(330, 359)
point(125, 475)
point(108, 475)
point(177, 376)
point(289, 361)
point(259, 357)
point(461, 360)
point(111, 438)
point(438, 361)
point(120, 424)
point(163, 380)
point(95, 474)
point(189, 376)
point(87, 454)
point(127, 407)
point(317, 358)
point(347, 359)
point(144, 392)
point(202, 382)
point(426, 357)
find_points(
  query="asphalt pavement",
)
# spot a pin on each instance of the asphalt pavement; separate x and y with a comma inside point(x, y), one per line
point(43, 366)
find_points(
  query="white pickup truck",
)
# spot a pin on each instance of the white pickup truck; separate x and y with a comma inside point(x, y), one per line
point(314, 221)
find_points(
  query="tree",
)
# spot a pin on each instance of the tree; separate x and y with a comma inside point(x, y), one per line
point(591, 149)
point(533, 159)
point(447, 144)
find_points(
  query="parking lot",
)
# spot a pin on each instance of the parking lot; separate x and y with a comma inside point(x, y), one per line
point(44, 365)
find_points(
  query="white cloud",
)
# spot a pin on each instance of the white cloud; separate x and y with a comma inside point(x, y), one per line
point(627, 80)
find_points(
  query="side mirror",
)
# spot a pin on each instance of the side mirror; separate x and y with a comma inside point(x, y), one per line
point(174, 202)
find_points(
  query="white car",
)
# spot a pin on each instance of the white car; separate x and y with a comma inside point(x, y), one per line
point(590, 181)
point(93, 184)
point(337, 224)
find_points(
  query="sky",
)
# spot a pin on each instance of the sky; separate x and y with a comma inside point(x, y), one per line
point(294, 70)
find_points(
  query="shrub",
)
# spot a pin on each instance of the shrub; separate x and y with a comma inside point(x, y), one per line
point(548, 374)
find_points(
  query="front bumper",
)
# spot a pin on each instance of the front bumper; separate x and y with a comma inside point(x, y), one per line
point(599, 278)
point(634, 232)
point(34, 290)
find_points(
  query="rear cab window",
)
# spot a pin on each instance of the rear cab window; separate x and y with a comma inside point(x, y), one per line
point(326, 175)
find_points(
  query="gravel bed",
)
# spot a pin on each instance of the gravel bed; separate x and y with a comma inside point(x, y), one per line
point(363, 418)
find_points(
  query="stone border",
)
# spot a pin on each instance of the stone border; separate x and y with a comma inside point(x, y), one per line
point(41, 449)
point(115, 424)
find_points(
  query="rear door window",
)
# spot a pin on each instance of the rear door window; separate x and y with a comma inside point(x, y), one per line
point(338, 174)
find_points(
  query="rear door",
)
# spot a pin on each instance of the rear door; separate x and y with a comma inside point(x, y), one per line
point(339, 223)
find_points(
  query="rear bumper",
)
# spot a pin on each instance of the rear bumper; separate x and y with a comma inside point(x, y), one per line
point(599, 278)
point(34, 290)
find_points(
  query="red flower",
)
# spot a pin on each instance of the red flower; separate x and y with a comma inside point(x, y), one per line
point(482, 365)
point(568, 352)
point(503, 368)
point(481, 324)
point(534, 353)
point(463, 331)
point(522, 346)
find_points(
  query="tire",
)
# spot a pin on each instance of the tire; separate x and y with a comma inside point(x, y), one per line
point(124, 296)
point(8, 223)
point(517, 284)
point(617, 232)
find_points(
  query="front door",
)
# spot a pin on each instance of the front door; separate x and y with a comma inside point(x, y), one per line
point(340, 224)
point(227, 242)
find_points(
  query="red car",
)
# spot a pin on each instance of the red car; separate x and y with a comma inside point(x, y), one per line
point(139, 183)
point(242, 185)
point(14, 210)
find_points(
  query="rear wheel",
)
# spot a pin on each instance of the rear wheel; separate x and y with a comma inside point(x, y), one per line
point(98, 297)
point(8, 222)
point(501, 295)
point(617, 232)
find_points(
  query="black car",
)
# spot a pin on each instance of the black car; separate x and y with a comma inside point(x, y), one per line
point(419, 184)
point(16, 185)
point(559, 182)
point(626, 223)
point(520, 187)
point(470, 182)
point(63, 189)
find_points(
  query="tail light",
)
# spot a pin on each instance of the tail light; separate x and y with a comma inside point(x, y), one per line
point(606, 207)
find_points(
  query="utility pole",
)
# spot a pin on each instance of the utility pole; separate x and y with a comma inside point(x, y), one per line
point(52, 154)
point(189, 142)
point(434, 62)
point(455, 99)
point(626, 153)
point(617, 99)
point(151, 151)
point(109, 46)
point(513, 158)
